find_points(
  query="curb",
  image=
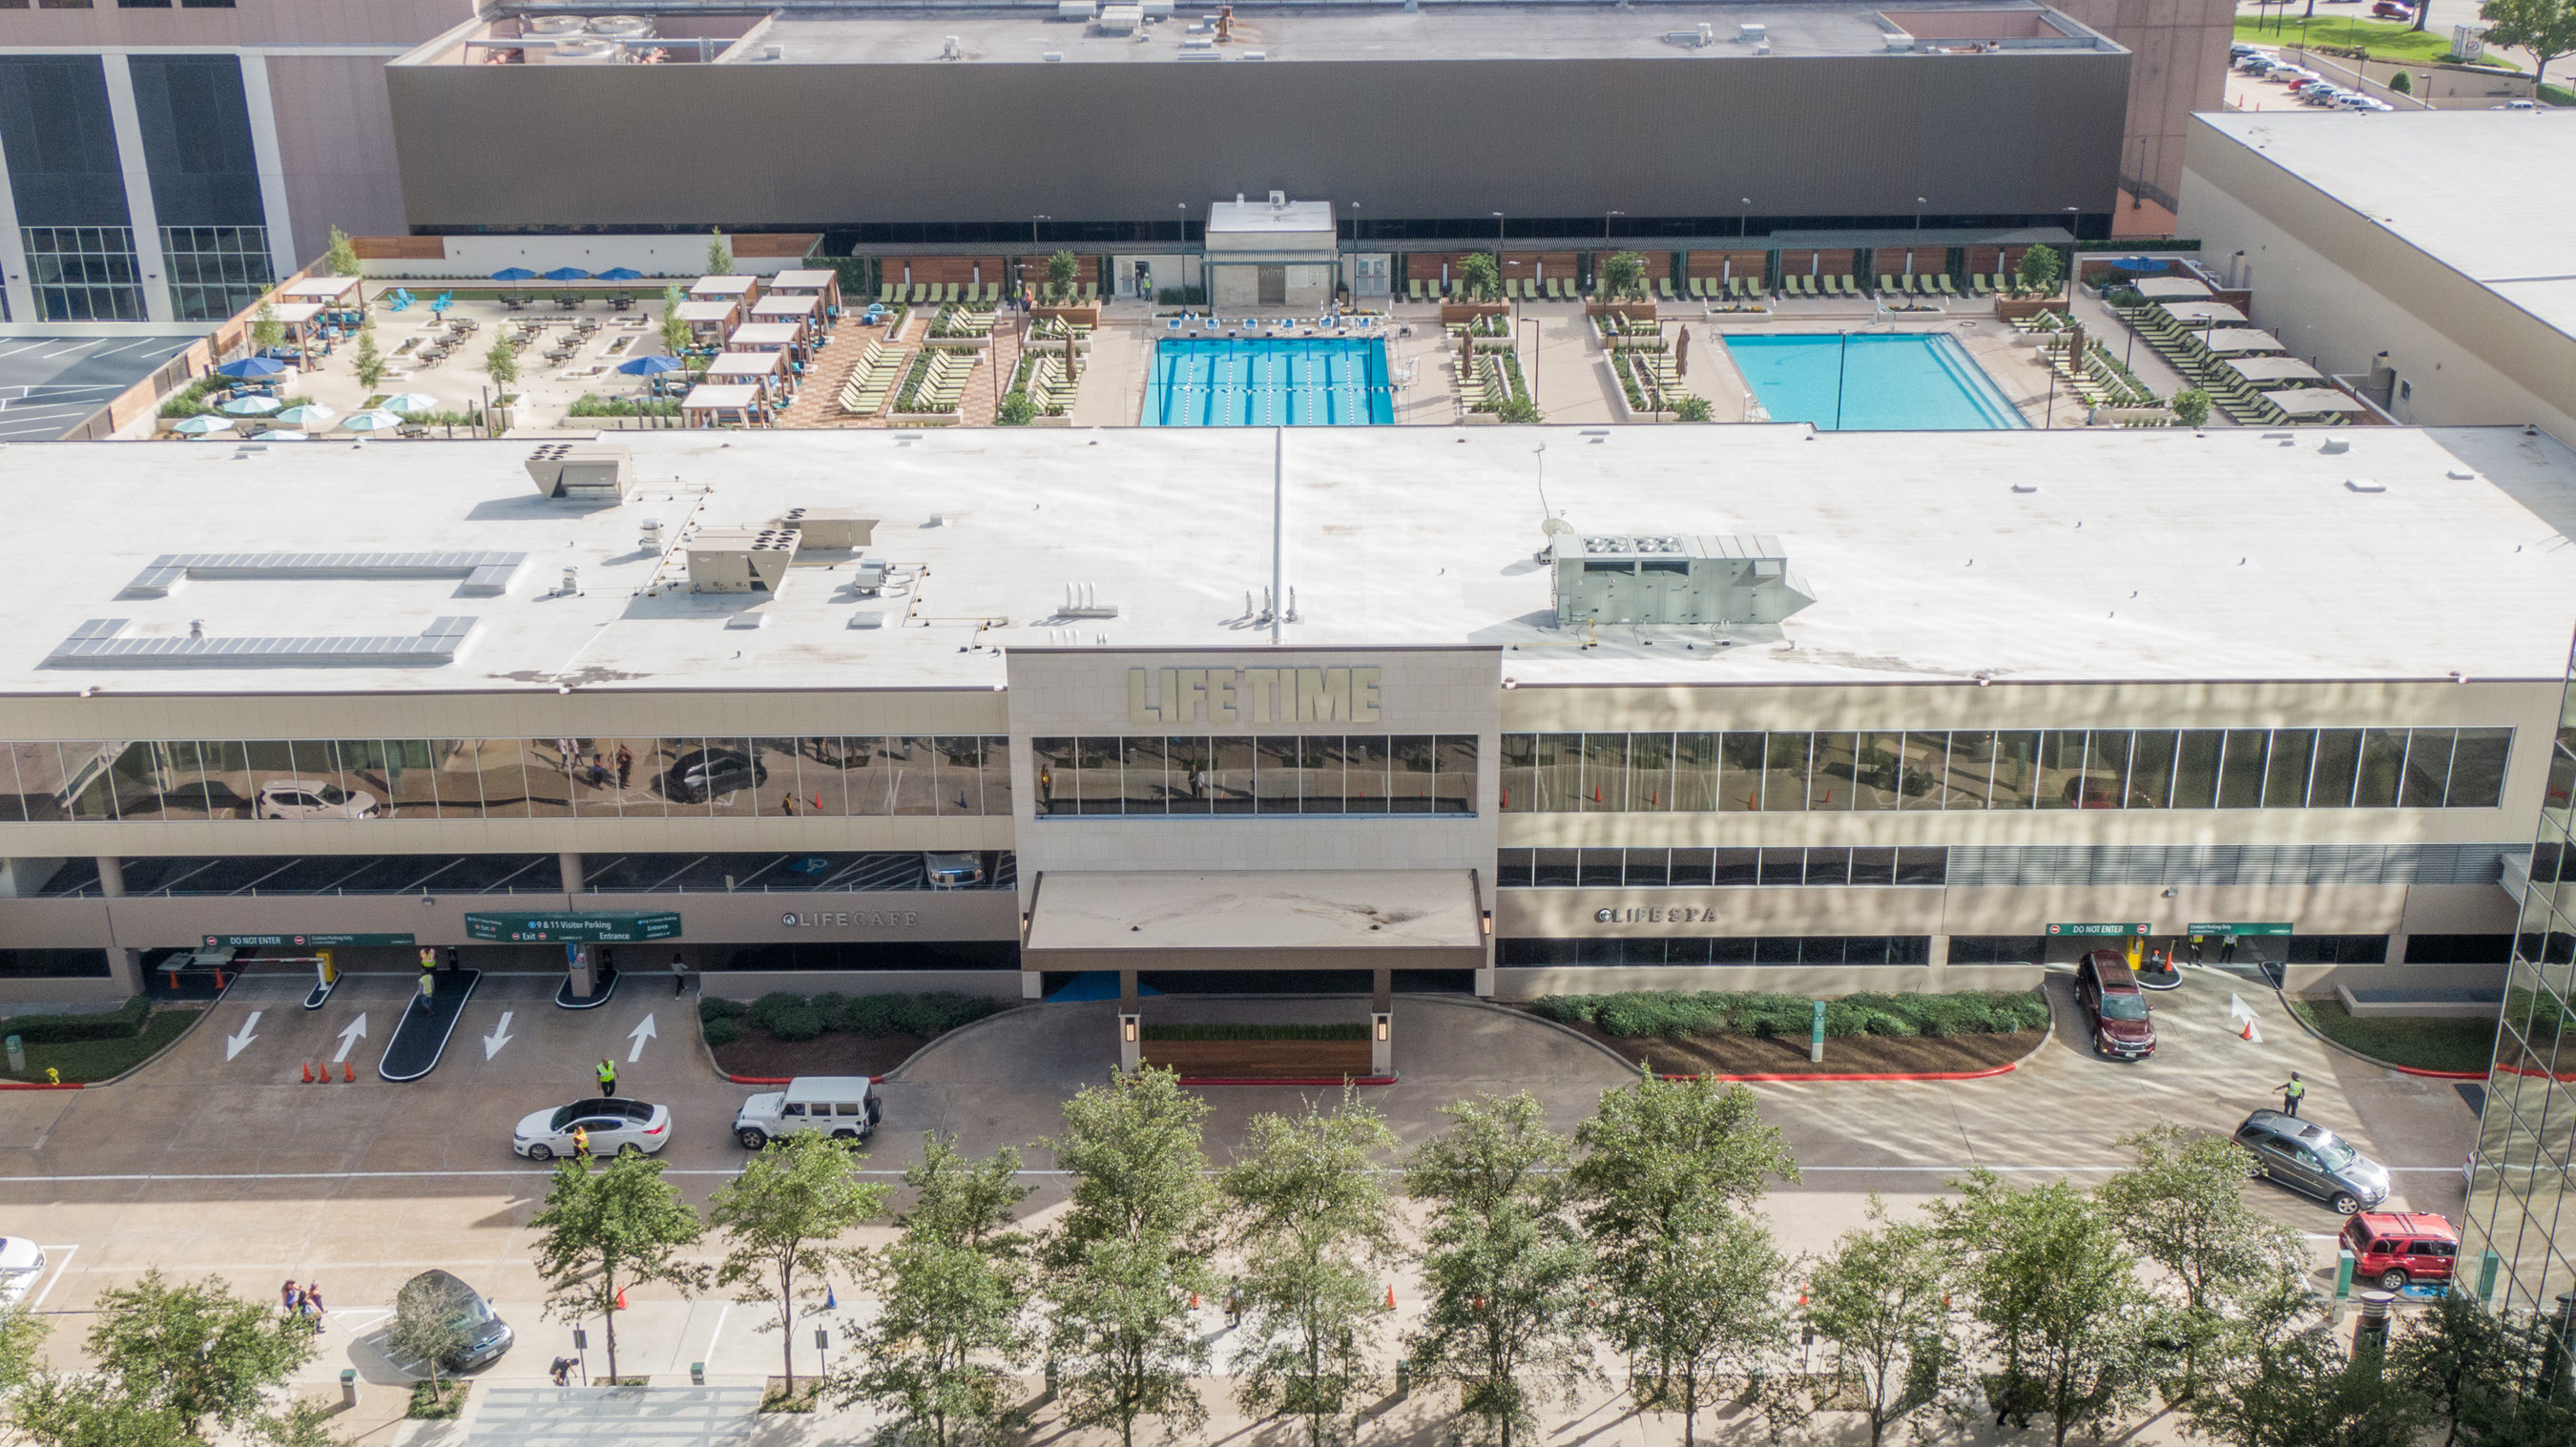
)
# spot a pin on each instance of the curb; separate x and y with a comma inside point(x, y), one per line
point(783, 1079)
point(1293, 1080)
point(2339, 1048)
point(131, 1070)
point(1988, 1073)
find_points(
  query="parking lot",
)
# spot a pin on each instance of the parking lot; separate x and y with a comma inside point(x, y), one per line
point(218, 1158)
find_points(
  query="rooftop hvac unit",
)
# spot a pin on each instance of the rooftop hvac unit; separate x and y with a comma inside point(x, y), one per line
point(584, 50)
point(583, 471)
point(1673, 578)
point(1750, 34)
point(551, 25)
point(1157, 9)
point(1121, 19)
point(740, 560)
point(622, 27)
point(830, 527)
point(1073, 9)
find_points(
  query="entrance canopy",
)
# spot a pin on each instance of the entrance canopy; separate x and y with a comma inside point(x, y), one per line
point(1257, 920)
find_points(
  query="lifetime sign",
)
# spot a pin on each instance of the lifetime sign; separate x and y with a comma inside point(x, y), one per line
point(1157, 696)
point(608, 929)
point(316, 942)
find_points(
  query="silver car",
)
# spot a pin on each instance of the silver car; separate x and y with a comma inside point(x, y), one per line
point(952, 870)
point(2309, 1158)
point(312, 799)
point(614, 1125)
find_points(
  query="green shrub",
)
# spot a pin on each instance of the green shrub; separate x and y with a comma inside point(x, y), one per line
point(784, 1007)
point(1710, 1014)
point(712, 1008)
point(870, 1015)
point(938, 1012)
point(723, 1030)
point(122, 1023)
point(1016, 411)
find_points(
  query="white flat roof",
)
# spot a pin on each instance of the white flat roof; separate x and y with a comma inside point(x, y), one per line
point(2406, 171)
point(707, 398)
point(708, 311)
point(721, 285)
point(2230, 554)
point(787, 306)
point(764, 334)
point(801, 279)
point(2240, 339)
point(1260, 218)
point(1257, 909)
point(745, 364)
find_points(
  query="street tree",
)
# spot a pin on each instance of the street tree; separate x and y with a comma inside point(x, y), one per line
point(1480, 274)
point(2057, 1291)
point(1688, 1278)
point(675, 328)
point(2546, 28)
point(502, 362)
point(2182, 1206)
point(1311, 1219)
point(2452, 1355)
point(605, 1230)
point(1880, 1304)
point(194, 1350)
point(2530, 1403)
point(719, 253)
point(1129, 1254)
point(2297, 1388)
point(92, 1410)
point(342, 255)
point(779, 1220)
point(1623, 275)
point(266, 331)
point(953, 1294)
point(430, 1325)
point(1504, 1267)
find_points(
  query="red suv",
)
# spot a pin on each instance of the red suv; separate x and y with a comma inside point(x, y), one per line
point(2393, 1248)
point(2106, 989)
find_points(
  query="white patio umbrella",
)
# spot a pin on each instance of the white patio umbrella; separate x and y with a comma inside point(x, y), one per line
point(410, 402)
point(200, 426)
point(251, 406)
point(282, 435)
point(307, 414)
point(374, 419)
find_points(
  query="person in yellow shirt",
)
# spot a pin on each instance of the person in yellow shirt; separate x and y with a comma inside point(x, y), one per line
point(580, 1143)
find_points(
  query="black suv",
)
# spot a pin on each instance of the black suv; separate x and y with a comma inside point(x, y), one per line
point(701, 774)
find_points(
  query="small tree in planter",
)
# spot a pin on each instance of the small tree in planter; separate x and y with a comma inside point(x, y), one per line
point(430, 1325)
point(266, 332)
point(1016, 411)
point(2190, 407)
point(719, 253)
point(675, 328)
point(1061, 270)
point(2041, 267)
point(1623, 276)
point(502, 362)
point(342, 258)
point(1480, 274)
point(370, 365)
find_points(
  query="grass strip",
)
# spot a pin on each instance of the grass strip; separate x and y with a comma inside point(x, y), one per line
point(91, 1060)
point(2410, 1040)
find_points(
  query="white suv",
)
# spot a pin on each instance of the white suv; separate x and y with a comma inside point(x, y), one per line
point(841, 1106)
point(312, 799)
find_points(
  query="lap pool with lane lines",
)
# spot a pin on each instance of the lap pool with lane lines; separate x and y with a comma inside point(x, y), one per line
point(1270, 382)
point(1874, 382)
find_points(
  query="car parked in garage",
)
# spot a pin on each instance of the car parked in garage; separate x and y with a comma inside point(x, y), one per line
point(615, 1125)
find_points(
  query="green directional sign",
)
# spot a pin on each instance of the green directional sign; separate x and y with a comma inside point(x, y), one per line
point(2112, 930)
point(310, 942)
point(615, 928)
point(2243, 927)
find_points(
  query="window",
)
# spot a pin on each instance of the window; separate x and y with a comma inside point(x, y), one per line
point(1267, 775)
point(84, 273)
point(1998, 949)
point(215, 271)
point(1692, 868)
point(1714, 950)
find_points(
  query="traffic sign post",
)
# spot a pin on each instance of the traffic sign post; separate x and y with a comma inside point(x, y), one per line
point(304, 942)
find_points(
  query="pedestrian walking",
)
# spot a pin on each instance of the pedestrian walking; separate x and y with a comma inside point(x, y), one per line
point(313, 1307)
point(2195, 950)
point(679, 975)
point(428, 987)
point(625, 765)
point(561, 1370)
point(607, 1073)
point(581, 1143)
point(2293, 1090)
point(289, 1297)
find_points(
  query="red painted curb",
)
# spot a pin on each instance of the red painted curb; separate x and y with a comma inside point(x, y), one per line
point(39, 1085)
point(1286, 1080)
point(1987, 1073)
point(779, 1079)
point(2438, 1074)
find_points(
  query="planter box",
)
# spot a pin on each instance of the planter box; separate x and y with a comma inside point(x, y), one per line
point(1286, 1059)
point(1467, 311)
point(1635, 311)
point(927, 419)
point(1083, 316)
point(1042, 420)
point(2013, 309)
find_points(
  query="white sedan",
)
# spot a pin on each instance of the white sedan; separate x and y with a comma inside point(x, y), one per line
point(614, 1125)
point(22, 1265)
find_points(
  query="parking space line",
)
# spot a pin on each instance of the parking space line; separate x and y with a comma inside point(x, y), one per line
point(68, 1253)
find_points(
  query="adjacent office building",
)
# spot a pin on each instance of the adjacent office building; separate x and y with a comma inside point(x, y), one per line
point(1697, 707)
point(165, 162)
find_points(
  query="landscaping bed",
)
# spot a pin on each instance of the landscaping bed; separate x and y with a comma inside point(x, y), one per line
point(2463, 1046)
point(782, 1035)
point(1252, 1052)
point(1754, 1033)
point(87, 1048)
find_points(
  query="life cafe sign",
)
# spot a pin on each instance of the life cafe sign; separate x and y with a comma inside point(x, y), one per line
point(1160, 696)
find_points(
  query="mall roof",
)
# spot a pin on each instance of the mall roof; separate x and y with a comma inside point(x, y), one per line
point(2403, 171)
point(2109, 554)
point(1030, 34)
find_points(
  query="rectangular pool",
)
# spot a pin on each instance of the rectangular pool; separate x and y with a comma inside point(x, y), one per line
point(1877, 382)
point(1269, 382)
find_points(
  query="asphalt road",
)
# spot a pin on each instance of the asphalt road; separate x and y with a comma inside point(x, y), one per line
point(48, 384)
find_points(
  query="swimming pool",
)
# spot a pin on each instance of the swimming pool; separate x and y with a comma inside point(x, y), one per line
point(1872, 383)
point(1269, 382)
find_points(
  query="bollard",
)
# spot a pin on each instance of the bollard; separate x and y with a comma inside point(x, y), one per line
point(1816, 1036)
point(2343, 1275)
point(2487, 1265)
point(1403, 1377)
point(1050, 1376)
point(348, 1386)
point(697, 1374)
point(17, 1056)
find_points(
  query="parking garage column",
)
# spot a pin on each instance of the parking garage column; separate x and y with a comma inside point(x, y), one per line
point(1382, 1022)
point(572, 882)
point(124, 966)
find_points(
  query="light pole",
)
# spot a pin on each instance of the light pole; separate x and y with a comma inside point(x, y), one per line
point(1033, 233)
point(1919, 204)
point(1605, 222)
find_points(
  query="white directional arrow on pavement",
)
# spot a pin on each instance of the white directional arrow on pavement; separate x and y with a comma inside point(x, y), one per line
point(499, 1037)
point(356, 1032)
point(234, 1044)
point(2236, 1008)
point(640, 1034)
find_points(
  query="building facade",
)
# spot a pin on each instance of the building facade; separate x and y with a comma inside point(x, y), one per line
point(166, 161)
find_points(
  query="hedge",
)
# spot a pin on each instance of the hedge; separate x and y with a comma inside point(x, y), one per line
point(1677, 1015)
point(122, 1023)
point(785, 1015)
point(1256, 1032)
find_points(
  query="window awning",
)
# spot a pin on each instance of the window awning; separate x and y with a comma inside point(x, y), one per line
point(1256, 920)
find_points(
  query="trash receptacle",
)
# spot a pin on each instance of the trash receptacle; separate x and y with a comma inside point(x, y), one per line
point(348, 1386)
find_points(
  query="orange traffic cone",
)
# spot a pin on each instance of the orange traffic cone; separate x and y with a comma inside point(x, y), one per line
point(1194, 1301)
point(2250, 1033)
point(308, 1072)
point(621, 1298)
point(1390, 1298)
point(348, 1073)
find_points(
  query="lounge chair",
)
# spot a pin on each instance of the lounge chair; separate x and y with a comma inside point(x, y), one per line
point(1977, 284)
point(1090, 293)
point(1886, 283)
point(1664, 288)
point(1416, 284)
point(1943, 281)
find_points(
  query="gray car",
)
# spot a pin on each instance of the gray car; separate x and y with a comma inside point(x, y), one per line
point(2312, 1159)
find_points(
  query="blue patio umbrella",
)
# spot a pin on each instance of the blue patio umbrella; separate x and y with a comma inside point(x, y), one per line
point(621, 273)
point(514, 273)
point(567, 273)
point(250, 367)
point(652, 366)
